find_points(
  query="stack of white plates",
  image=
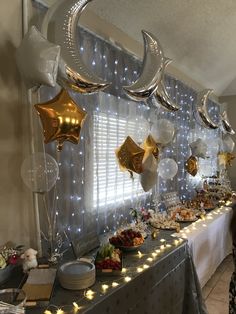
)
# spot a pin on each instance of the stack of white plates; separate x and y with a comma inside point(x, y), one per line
point(76, 275)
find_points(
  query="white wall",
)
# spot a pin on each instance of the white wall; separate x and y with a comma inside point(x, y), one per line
point(231, 101)
point(16, 209)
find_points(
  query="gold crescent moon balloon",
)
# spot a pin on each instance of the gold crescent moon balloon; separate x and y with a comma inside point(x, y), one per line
point(152, 68)
point(130, 156)
point(201, 113)
point(60, 27)
point(226, 124)
point(161, 93)
point(62, 119)
point(192, 165)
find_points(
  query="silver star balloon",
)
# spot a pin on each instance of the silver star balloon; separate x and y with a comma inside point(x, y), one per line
point(37, 59)
point(198, 148)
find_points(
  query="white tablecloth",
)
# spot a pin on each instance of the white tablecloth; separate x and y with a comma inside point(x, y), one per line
point(209, 241)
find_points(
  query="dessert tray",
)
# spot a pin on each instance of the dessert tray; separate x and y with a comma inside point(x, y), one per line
point(162, 222)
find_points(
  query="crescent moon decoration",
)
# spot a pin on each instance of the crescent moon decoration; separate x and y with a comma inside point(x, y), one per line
point(152, 68)
point(60, 27)
point(161, 93)
point(226, 124)
point(201, 113)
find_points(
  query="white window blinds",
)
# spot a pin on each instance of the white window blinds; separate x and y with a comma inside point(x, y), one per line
point(111, 185)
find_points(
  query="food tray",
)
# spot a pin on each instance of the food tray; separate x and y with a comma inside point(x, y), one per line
point(190, 220)
point(109, 271)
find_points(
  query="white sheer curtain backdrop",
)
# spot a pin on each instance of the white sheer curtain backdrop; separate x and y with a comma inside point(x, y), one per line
point(92, 194)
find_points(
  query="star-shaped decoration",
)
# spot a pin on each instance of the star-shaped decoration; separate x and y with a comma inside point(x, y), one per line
point(130, 156)
point(37, 59)
point(62, 119)
point(150, 143)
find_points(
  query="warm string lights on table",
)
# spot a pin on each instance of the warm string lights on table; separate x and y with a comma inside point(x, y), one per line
point(146, 261)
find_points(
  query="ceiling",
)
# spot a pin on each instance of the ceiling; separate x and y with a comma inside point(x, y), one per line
point(200, 36)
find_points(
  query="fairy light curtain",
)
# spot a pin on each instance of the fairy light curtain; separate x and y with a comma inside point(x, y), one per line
point(92, 194)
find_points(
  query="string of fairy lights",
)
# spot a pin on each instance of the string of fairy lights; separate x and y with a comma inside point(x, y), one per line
point(145, 262)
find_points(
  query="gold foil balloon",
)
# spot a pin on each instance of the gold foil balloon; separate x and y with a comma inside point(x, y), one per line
point(201, 113)
point(150, 143)
point(62, 119)
point(192, 165)
point(225, 159)
point(152, 68)
point(60, 26)
point(37, 59)
point(130, 156)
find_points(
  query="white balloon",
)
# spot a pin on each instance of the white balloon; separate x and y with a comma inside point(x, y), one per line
point(39, 172)
point(198, 148)
point(149, 162)
point(167, 168)
point(141, 131)
point(37, 59)
point(226, 144)
point(163, 131)
point(148, 179)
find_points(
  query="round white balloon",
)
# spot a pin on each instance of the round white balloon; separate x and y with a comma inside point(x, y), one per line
point(163, 131)
point(39, 172)
point(167, 168)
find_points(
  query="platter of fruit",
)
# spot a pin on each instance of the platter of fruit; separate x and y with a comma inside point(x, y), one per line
point(127, 240)
point(108, 260)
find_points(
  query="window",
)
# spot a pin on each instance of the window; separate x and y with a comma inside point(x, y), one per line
point(111, 185)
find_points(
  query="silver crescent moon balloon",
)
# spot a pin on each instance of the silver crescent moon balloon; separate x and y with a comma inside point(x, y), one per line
point(152, 68)
point(226, 124)
point(60, 27)
point(201, 113)
point(161, 93)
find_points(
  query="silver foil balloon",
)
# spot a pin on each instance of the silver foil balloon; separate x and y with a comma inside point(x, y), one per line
point(152, 68)
point(201, 113)
point(60, 26)
point(37, 59)
point(161, 93)
point(198, 148)
point(226, 124)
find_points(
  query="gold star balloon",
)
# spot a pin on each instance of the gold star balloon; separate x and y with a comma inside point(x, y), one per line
point(150, 143)
point(62, 119)
point(130, 156)
point(225, 159)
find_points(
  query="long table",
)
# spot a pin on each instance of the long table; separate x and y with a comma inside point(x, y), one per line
point(209, 241)
point(161, 279)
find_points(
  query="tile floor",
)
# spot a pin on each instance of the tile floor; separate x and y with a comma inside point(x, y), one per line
point(216, 291)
